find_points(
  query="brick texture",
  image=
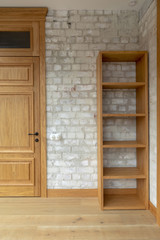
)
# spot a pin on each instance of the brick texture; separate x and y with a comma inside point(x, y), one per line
point(73, 40)
point(148, 41)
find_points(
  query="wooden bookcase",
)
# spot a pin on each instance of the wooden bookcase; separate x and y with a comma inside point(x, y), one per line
point(136, 198)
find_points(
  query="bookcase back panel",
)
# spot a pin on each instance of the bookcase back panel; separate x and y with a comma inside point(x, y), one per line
point(119, 101)
point(119, 72)
point(119, 129)
point(122, 157)
point(120, 183)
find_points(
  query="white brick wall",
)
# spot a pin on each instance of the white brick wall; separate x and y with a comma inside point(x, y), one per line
point(119, 101)
point(119, 129)
point(73, 40)
point(120, 157)
point(119, 72)
point(148, 41)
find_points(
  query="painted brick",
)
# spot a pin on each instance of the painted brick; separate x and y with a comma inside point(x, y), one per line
point(147, 41)
point(71, 52)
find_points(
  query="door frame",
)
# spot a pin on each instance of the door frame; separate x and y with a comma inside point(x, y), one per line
point(36, 16)
point(158, 112)
point(43, 111)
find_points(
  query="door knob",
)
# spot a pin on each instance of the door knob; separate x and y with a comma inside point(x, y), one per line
point(36, 133)
point(36, 140)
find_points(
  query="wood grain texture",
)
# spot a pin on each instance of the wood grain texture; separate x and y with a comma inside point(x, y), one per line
point(83, 233)
point(153, 209)
point(99, 130)
point(14, 128)
point(18, 171)
point(25, 14)
point(72, 193)
point(123, 115)
point(19, 116)
point(16, 75)
point(43, 111)
point(142, 128)
point(123, 173)
point(122, 56)
point(126, 198)
point(139, 200)
point(21, 75)
point(158, 112)
point(118, 85)
point(120, 191)
point(120, 201)
point(123, 144)
point(72, 218)
point(14, 191)
point(32, 27)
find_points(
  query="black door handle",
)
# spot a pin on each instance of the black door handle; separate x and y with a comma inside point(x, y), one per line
point(35, 134)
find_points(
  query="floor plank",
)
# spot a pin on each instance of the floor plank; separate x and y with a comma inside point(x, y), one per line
point(94, 233)
point(70, 218)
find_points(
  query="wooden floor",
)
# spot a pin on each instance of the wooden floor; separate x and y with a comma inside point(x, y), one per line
point(68, 219)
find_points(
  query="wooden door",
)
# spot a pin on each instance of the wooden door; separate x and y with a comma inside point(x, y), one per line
point(19, 116)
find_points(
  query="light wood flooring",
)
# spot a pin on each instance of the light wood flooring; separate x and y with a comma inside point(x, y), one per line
point(72, 218)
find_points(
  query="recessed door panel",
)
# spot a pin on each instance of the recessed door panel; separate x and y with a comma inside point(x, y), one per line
point(16, 121)
point(14, 74)
point(17, 171)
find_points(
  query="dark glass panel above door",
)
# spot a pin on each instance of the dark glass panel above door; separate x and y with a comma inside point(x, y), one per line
point(14, 39)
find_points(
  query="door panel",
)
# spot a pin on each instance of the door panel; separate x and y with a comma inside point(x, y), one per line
point(20, 74)
point(17, 171)
point(19, 116)
point(16, 121)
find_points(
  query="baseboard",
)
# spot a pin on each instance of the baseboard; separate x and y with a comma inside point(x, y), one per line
point(153, 209)
point(72, 193)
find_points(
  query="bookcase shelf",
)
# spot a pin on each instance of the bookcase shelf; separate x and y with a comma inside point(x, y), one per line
point(123, 144)
point(123, 198)
point(118, 85)
point(123, 201)
point(123, 173)
point(123, 115)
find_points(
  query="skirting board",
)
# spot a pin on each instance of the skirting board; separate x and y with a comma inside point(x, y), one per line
point(153, 209)
point(72, 193)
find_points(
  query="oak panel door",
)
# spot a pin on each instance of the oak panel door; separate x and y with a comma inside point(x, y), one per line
point(19, 117)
